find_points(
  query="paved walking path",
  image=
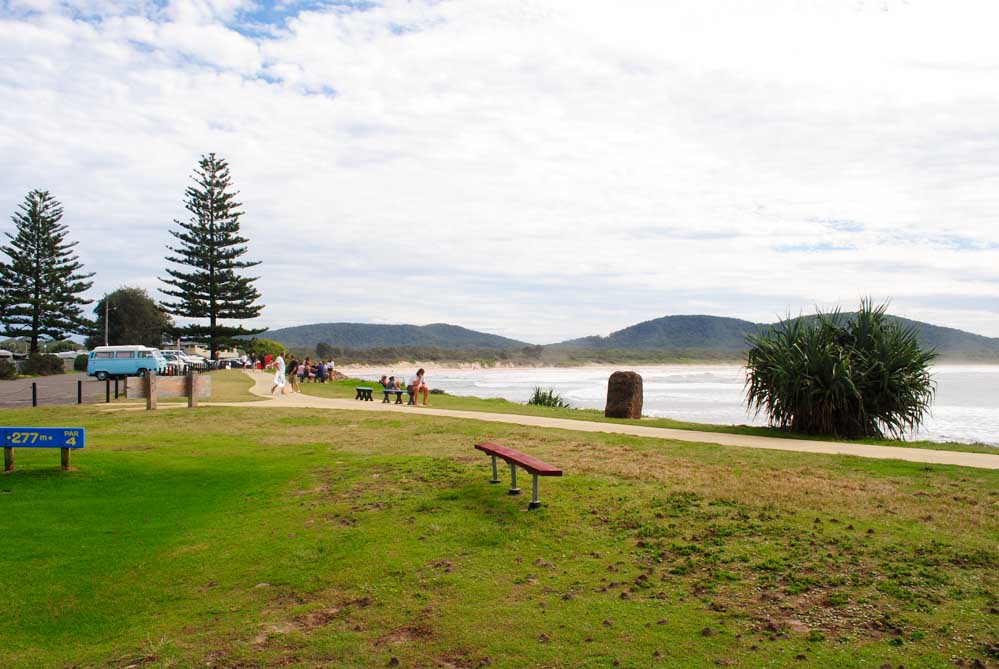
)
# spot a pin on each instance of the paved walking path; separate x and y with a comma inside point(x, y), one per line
point(264, 380)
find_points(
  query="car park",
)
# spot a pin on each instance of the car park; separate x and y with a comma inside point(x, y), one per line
point(177, 362)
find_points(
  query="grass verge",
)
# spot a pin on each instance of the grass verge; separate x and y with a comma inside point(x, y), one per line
point(239, 538)
point(344, 389)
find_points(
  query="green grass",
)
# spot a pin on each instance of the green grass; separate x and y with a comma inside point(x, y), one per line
point(239, 537)
point(228, 385)
point(345, 389)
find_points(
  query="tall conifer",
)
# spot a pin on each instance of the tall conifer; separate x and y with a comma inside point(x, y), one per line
point(41, 281)
point(208, 285)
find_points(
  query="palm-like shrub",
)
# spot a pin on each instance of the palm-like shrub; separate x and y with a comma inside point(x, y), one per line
point(548, 398)
point(861, 375)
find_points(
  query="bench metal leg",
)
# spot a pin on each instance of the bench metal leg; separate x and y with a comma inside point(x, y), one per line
point(357, 394)
point(514, 490)
point(535, 502)
point(8, 459)
point(398, 398)
point(385, 401)
point(495, 473)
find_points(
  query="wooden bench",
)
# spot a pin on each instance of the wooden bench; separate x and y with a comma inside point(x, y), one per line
point(63, 438)
point(517, 459)
point(364, 393)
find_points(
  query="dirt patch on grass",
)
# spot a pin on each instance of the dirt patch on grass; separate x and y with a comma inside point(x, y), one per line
point(406, 634)
point(824, 578)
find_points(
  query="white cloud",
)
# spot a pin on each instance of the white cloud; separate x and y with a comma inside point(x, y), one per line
point(543, 170)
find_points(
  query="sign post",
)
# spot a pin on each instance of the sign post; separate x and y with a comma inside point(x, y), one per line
point(66, 439)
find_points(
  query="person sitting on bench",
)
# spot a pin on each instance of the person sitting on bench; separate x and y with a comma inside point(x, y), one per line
point(417, 385)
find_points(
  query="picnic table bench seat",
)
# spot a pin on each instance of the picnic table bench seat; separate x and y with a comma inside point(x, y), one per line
point(516, 459)
point(397, 393)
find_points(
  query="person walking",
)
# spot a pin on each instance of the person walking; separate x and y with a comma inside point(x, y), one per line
point(279, 380)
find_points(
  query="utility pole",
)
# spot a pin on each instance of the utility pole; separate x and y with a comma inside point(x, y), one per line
point(105, 319)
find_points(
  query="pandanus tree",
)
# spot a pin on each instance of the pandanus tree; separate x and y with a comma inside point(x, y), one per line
point(846, 375)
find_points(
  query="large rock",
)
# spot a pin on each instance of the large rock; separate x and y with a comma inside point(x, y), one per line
point(624, 395)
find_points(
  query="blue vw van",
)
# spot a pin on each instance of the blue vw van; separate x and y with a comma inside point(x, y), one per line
point(109, 361)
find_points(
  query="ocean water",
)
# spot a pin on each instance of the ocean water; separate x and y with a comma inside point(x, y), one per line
point(966, 407)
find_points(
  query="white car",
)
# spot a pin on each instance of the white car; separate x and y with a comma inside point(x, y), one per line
point(176, 360)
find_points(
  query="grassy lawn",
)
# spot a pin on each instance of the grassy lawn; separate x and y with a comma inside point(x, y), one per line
point(228, 385)
point(234, 537)
point(231, 385)
point(345, 389)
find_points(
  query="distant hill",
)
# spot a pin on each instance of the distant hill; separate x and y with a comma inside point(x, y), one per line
point(715, 333)
point(674, 332)
point(688, 337)
point(367, 335)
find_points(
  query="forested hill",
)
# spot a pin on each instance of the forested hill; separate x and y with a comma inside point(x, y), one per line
point(366, 335)
point(714, 333)
point(705, 337)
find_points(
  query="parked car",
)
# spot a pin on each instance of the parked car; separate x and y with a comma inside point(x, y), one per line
point(176, 361)
point(110, 361)
point(196, 360)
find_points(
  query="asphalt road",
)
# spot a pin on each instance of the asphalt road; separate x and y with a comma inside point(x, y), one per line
point(52, 390)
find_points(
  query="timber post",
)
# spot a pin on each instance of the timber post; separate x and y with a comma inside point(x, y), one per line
point(192, 389)
point(150, 383)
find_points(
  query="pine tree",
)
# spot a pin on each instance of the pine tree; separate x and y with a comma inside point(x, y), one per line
point(41, 282)
point(210, 244)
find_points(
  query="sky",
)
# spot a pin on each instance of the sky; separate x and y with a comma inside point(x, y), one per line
point(539, 170)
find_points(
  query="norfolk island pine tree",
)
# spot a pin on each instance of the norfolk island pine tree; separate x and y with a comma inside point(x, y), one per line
point(41, 281)
point(210, 245)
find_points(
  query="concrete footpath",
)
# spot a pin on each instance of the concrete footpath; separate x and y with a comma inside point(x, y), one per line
point(980, 460)
point(263, 382)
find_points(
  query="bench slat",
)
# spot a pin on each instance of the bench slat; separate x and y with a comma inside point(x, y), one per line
point(532, 465)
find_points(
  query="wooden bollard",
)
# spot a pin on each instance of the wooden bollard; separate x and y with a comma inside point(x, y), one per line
point(192, 389)
point(8, 459)
point(65, 459)
point(150, 390)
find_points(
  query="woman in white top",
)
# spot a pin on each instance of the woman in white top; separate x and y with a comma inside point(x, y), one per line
point(279, 380)
point(416, 386)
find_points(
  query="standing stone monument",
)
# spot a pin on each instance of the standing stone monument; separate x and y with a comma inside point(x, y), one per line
point(624, 395)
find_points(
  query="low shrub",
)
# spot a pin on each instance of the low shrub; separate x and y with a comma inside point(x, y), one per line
point(548, 398)
point(44, 365)
point(8, 370)
point(80, 363)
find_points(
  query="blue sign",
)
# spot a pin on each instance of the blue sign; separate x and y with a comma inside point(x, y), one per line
point(42, 437)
